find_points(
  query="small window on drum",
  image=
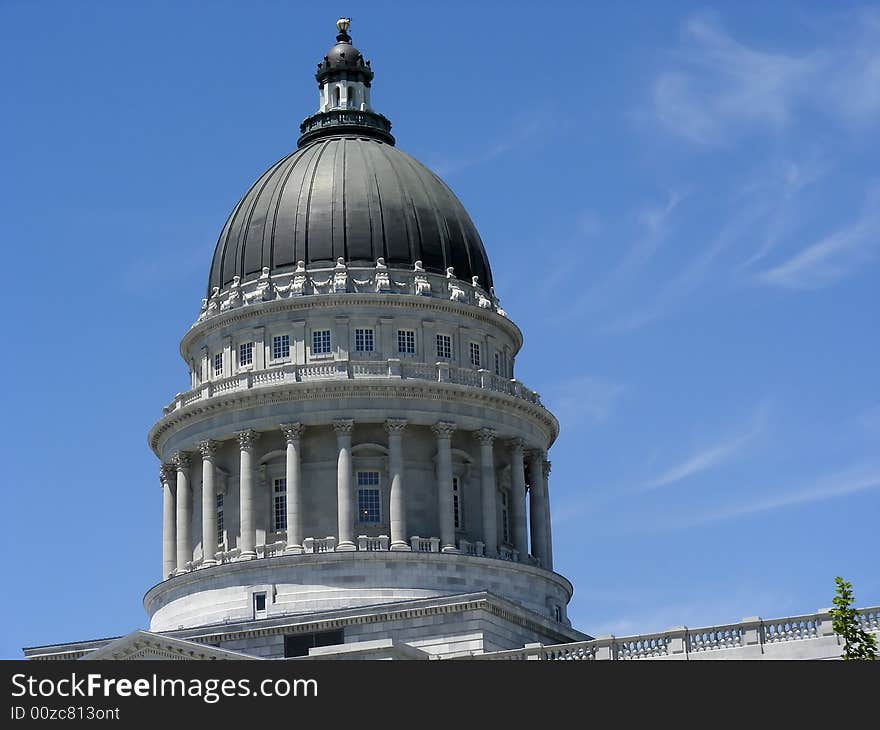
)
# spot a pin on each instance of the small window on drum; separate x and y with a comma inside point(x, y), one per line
point(260, 605)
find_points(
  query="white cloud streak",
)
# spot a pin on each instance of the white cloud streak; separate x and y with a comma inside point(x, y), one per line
point(706, 458)
point(857, 479)
point(829, 259)
point(720, 87)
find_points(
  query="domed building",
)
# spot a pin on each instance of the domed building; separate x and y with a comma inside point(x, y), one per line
point(354, 470)
point(354, 460)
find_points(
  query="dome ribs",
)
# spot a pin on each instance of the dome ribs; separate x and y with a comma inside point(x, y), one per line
point(280, 255)
point(432, 250)
point(352, 197)
point(359, 181)
point(299, 215)
point(313, 247)
point(233, 255)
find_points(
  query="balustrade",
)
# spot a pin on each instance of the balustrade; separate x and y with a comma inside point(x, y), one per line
point(373, 544)
point(319, 544)
point(356, 369)
point(791, 629)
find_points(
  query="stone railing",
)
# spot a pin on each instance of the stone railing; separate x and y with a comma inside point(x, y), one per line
point(441, 372)
point(807, 636)
point(506, 553)
point(270, 550)
point(365, 543)
point(345, 279)
point(372, 544)
point(424, 544)
point(319, 544)
point(477, 549)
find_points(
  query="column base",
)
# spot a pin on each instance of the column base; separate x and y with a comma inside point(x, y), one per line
point(401, 546)
point(449, 549)
point(246, 555)
point(294, 550)
point(208, 563)
point(346, 546)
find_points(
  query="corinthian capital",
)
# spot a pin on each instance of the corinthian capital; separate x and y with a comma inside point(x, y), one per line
point(166, 474)
point(536, 455)
point(343, 425)
point(208, 449)
point(247, 439)
point(292, 431)
point(181, 460)
point(485, 435)
point(395, 425)
point(443, 429)
point(546, 466)
point(517, 444)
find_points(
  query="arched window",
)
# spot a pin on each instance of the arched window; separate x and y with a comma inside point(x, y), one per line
point(352, 97)
point(336, 93)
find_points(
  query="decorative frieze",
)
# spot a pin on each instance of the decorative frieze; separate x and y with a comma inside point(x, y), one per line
point(343, 278)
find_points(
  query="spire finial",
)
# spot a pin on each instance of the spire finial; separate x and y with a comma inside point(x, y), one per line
point(342, 25)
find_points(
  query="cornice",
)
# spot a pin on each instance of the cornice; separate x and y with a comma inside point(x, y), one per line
point(311, 302)
point(485, 601)
point(346, 389)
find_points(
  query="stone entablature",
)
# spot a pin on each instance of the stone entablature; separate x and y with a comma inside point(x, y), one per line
point(393, 368)
point(342, 278)
point(795, 637)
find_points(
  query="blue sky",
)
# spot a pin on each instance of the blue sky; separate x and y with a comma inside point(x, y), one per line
point(680, 202)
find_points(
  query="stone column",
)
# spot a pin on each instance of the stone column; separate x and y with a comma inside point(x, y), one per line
point(399, 536)
point(169, 517)
point(209, 502)
point(344, 488)
point(293, 433)
point(518, 498)
point(538, 506)
point(443, 430)
point(548, 524)
point(248, 538)
point(184, 511)
point(488, 489)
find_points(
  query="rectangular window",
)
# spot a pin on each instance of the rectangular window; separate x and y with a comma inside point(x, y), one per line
point(475, 354)
point(218, 365)
point(245, 354)
point(321, 342)
point(279, 505)
point(368, 496)
point(280, 347)
point(444, 347)
point(259, 605)
point(498, 363)
point(363, 340)
point(456, 503)
point(219, 519)
point(505, 520)
point(299, 644)
point(406, 342)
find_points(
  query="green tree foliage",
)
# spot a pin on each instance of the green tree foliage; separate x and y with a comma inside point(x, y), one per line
point(857, 643)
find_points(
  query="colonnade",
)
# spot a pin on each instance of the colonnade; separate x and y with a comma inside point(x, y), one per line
point(529, 534)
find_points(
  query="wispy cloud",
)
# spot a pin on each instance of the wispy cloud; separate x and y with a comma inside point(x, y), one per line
point(525, 128)
point(856, 479)
point(718, 86)
point(708, 457)
point(831, 258)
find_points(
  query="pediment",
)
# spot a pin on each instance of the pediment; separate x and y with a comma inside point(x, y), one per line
point(145, 645)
